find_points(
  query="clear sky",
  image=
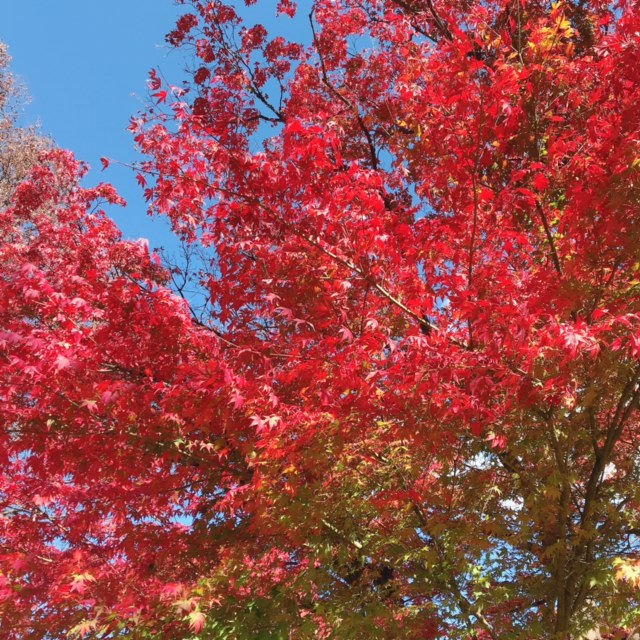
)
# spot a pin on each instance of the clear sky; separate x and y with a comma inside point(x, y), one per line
point(85, 64)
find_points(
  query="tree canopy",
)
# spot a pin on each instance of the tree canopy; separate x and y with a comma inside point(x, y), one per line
point(392, 389)
point(19, 146)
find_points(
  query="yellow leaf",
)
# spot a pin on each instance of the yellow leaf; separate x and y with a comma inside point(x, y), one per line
point(627, 571)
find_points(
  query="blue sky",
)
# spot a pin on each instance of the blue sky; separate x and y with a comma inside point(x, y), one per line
point(85, 64)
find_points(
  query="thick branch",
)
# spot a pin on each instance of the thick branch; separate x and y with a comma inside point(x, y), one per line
point(549, 235)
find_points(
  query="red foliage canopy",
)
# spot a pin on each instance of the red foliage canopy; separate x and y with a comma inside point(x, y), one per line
point(407, 406)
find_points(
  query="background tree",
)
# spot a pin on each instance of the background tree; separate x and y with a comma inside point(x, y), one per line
point(408, 408)
point(19, 146)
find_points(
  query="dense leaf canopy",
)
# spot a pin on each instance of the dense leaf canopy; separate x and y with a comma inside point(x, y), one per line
point(392, 389)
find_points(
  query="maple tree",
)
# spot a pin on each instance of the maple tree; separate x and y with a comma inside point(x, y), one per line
point(403, 402)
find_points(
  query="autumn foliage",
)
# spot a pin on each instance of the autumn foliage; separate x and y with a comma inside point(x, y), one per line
point(19, 146)
point(394, 391)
